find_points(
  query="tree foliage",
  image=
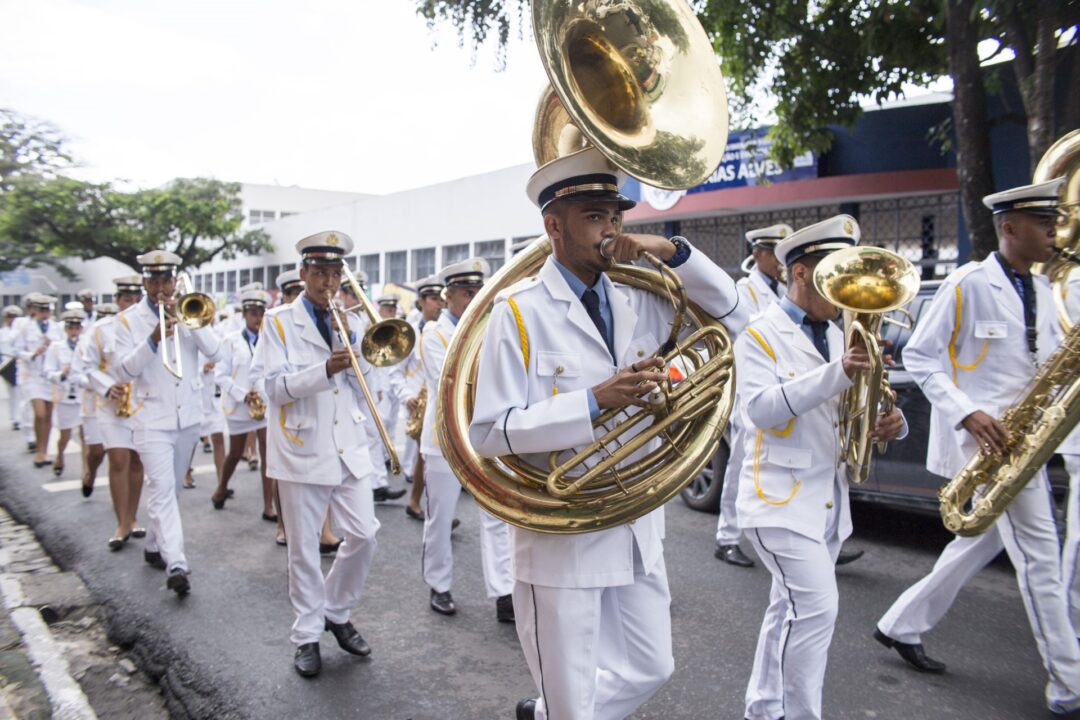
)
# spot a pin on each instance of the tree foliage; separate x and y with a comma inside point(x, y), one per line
point(47, 218)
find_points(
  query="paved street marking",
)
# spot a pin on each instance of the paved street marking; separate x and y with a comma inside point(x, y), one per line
point(103, 482)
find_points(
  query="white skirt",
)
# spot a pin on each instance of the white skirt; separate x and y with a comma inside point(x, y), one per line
point(67, 416)
point(117, 435)
point(90, 431)
point(212, 424)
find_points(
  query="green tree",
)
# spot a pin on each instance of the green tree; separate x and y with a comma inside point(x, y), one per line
point(29, 148)
point(818, 61)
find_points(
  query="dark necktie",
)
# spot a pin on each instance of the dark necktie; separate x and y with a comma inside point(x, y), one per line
point(773, 284)
point(818, 329)
point(591, 301)
point(322, 326)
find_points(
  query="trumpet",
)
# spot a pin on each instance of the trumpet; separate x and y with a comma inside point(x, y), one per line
point(339, 322)
point(257, 407)
point(123, 405)
point(193, 310)
point(415, 426)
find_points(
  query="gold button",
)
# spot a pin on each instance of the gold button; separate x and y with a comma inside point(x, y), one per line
point(791, 374)
point(560, 370)
point(335, 422)
point(335, 391)
point(341, 451)
point(640, 353)
point(828, 505)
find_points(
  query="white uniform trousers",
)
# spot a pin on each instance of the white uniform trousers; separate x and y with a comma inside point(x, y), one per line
point(793, 645)
point(1070, 574)
point(316, 599)
point(496, 555)
point(408, 458)
point(441, 493)
point(596, 653)
point(165, 456)
point(1027, 533)
point(13, 404)
point(379, 476)
point(727, 526)
point(26, 413)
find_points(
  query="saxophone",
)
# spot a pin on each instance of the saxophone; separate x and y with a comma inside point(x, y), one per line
point(415, 425)
point(1049, 407)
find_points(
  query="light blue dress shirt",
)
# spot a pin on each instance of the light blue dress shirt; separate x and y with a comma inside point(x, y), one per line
point(578, 288)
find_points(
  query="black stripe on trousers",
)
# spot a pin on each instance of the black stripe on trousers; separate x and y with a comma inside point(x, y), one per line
point(794, 611)
point(539, 659)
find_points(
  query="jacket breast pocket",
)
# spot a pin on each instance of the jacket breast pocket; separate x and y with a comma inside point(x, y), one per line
point(553, 368)
point(991, 329)
point(297, 424)
point(789, 457)
point(640, 348)
point(786, 372)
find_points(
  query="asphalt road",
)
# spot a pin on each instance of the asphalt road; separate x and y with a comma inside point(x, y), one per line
point(224, 652)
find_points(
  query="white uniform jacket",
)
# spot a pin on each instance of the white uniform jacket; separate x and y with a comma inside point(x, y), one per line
point(28, 338)
point(790, 406)
point(531, 402)
point(314, 422)
point(969, 352)
point(7, 342)
point(100, 371)
point(57, 357)
point(755, 293)
point(432, 347)
point(165, 402)
point(80, 372)
point(232, 373)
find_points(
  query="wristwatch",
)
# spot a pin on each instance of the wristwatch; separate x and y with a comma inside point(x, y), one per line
point(682, 251)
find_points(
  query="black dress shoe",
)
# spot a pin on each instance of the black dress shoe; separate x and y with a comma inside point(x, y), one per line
point(178, 582)
point(138, 532)
point(154, 559)
point(385, 493)
point(269, 518)
point(31, 446)
point(218, 504)
point(348, 639)
point(116, 544)
point(307, 660)
point(913, 655)
point(504, 609)
point(413, 514)
point(442, 603)
point(733, 555)
point(848, 556)
point(230, 493)
point(329, 548)
point(87, 490)
point(526, 709)
point(42, 463)
point(206, 448)
point(58, 470)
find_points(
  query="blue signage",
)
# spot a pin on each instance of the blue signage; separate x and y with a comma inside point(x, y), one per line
point(746, 162)
point(15, 277)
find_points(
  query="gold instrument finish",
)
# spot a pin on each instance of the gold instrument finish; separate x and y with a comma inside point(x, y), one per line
point(680, 433)
point(123, 405)
point(339, 316)
point(866, 283)
point(193, 310)
point(641, 82)
point(257, 408)
point(1049, 408)
point(415, 426)
point(385, 342)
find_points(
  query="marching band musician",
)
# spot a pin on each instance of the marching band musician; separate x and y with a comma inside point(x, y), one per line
point(167, 424)
point(318, 449)
point(239, 395)
point(25, 412)
point(975, 348)
point(93, 447)
point(31, 343)
point(86, 299)
point(7, 352)
point(430, 303)
point(757, 291)
point(115, 416)
point(57, 368)
point(461, 281)
point(793, 491)
point(593, 610)
point(394, 385)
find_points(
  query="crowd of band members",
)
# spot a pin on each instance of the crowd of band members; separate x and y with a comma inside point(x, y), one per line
point(592, 610)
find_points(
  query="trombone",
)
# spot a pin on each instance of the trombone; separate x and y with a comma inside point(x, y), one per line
point(386, 342)
point(339, 322)
point(193, 310)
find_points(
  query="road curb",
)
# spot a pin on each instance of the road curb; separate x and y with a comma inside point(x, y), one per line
point(66, 698)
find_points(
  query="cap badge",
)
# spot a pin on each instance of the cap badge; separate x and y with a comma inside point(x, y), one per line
point(332, 240)
point(849, 228)
point(159, 258)
point(476, 266)
point(783, 232)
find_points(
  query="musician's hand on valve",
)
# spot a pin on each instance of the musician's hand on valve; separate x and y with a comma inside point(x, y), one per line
point(888, 427)
point(628, 247)
point(991, 435)
point(886, 358)
point(251, 397)
point(855, 360)
point(208, 368)
point(628, 385)
point(116, 392)
point(338, 361)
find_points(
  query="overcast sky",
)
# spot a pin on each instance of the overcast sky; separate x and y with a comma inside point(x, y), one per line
point(336, 94)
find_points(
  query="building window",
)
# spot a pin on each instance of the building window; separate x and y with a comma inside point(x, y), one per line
point(64, 300)
point(396, 267)
point(285, 214)
point(230, 278)
point(271, 274)
point(258, 217)
point(423, 263)
point(219, 282)
point(351, 262)
point(106, 298)
point(257, 276)
point(369, 265)
point(245, 276)
point(454, 253)
point(494, 251)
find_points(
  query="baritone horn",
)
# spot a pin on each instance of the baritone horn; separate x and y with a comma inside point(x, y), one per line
point(193, 310)
point(866, 283)
point(639, 81)
point(339, 318)
point(1049, 408)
